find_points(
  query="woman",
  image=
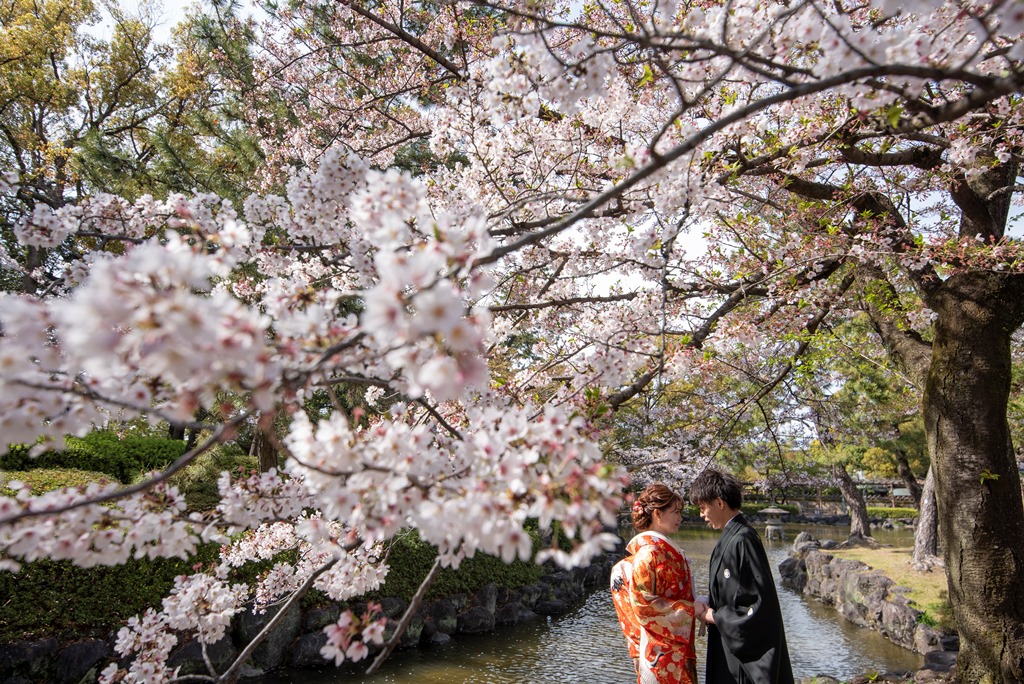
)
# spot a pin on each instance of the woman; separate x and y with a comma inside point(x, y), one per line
point(653, 592)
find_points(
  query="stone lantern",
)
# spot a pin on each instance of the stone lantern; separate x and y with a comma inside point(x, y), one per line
point(773, 526)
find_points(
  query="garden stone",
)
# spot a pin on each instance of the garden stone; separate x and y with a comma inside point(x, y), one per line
point(27, 657)
point(940, 661)
point(793, 573)
point(476, 620)
point(271, 652)
point(189, 656)
point(315, 619)
point(486, 597)
point(306, 651)
point(393, 608)
point(75, 660)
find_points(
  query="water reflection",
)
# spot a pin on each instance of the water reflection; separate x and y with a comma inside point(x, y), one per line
point(587, 646)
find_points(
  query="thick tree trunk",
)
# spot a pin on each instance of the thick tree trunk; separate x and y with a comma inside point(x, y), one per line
point(262, 447)
point(907, 475)
point(860, 526)
point(926, 537)
point(981, 517)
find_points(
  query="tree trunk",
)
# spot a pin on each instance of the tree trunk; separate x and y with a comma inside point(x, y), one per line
point(907, 475)
point(926, 537)
point(981, 517)
point(860, 527)
point(262, 447)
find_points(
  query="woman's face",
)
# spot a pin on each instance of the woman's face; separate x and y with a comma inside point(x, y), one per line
point(666, 520)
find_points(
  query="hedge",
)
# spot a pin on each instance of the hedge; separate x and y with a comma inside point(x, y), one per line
point(55, 598)
point(411, 558)
point(101, 451)
point(748, 509)
point(43, 480)
point(886, 512)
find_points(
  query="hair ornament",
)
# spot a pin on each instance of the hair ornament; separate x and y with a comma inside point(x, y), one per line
point(637, 506)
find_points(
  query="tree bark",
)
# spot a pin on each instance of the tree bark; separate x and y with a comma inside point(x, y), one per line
point(926, 536)
point(860, 526)
point(981, 517)
point(262, 447)
point(907, 475)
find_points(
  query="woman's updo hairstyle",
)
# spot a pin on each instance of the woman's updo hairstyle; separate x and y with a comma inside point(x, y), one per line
point(657, 497)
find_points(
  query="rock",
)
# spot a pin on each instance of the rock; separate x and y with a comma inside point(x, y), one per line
point(820, 679)
point(439, 639)
point(949, 642)
point(829, 544)
point(315, 619)
point(189, 656)
point(75, 660)
point(442, 617)
point(476, 620)
point(486, 597)
point(932, 677)
point(939, 661)
point(29, 658)
point(271, 652)
point(306, 651)
point(793, 573)
point(393, 608)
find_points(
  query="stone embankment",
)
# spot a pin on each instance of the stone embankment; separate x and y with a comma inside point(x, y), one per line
point(298, 638)
point(868, 598)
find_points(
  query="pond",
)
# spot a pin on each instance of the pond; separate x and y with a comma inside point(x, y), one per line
point(587, 646)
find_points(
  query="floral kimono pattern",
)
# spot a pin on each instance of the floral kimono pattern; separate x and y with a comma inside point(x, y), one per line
point(622, 575)
point(661, 597)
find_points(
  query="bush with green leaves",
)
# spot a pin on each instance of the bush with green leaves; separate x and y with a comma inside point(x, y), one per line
point(891, 513)
point(198, 480)
point(122, 458)
point(411, 558)
point(44, 480)
point(56, 598)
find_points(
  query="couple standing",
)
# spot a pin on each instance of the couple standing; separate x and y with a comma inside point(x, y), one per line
point(654, 597)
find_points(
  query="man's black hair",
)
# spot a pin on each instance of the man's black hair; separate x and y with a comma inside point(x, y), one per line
point(712, 484)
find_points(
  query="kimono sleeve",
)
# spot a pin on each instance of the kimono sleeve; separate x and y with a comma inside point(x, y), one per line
point(671, 619)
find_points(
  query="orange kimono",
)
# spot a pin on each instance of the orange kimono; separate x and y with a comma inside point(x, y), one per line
point(622, 575)
point(659, 610)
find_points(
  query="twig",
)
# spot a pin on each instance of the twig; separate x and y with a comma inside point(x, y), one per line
point(414, 605)
point(231, 674)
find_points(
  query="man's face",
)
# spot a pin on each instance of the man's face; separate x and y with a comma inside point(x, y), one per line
point(715, 512)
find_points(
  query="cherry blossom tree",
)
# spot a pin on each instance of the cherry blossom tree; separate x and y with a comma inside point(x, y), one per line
point(609, 201)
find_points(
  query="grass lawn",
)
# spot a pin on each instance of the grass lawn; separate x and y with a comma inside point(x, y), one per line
point(927, 589)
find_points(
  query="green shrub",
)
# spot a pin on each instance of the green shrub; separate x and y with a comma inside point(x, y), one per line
point(885, 512)
point(411, 558)
point(103, 452)
point(42, 480)
point(748, 509)
point(55, 598)
point(198, 480)
point(756, 508)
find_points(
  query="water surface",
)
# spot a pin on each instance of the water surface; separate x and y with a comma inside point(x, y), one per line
point(587, 646)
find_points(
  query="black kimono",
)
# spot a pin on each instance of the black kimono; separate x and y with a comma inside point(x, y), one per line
point(747, 645)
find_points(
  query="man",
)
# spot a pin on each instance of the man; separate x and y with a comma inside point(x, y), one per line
point(746, 639)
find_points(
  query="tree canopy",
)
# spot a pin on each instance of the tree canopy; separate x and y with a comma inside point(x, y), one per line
point(602, 203)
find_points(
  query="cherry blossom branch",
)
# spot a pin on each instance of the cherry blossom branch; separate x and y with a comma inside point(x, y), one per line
point(994, 88)
point(563, 302)
point(403, 624)
point(406, 37)
point(231, 674)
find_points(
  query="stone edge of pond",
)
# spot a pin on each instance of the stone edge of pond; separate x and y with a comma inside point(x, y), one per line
point(868, 598)
point(298, 638)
